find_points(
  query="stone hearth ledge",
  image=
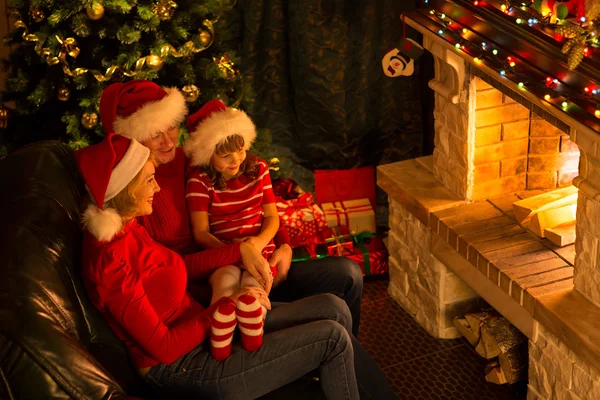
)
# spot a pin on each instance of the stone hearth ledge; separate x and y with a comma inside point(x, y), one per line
point(481, 238)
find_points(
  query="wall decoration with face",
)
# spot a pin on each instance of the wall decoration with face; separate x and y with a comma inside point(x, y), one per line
point(400, 61)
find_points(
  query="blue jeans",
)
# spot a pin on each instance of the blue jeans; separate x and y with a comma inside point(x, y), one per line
point(337, 275)
point(299, 337)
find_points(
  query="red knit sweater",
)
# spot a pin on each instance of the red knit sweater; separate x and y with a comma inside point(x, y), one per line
point(139, 287)
point(169, 223)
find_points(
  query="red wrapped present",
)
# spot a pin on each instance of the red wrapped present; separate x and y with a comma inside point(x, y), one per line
point(287, 189)
point(338, 244)
point(370, 253)
point(303, 219)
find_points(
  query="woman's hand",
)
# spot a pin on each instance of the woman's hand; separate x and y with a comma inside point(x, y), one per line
point(256, 292)
point(282, 259)
point(256, 265)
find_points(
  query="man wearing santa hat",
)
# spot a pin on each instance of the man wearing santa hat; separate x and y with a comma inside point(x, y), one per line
point(151, 114)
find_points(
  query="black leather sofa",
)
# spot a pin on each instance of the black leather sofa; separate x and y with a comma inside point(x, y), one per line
point(53, 343)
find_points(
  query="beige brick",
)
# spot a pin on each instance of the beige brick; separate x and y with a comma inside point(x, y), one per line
point(486, 172)
point(499, 186)
point(515, 130)
point(488, 98)
point(500, 151)
point(567, 145)
point(565, 178)
point(541, 180)
point(481, 84)
point(507, 99)
point(487, 135)
point(544, 145)
point(513, 166)
point(553, 162)
point(498, 115)
point(540, 127)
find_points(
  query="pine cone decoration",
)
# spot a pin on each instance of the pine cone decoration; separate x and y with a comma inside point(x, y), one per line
point(569, 45)
point(576, 55)
point(568, 30)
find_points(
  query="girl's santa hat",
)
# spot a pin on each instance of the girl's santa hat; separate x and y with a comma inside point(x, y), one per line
point(107, 168)
point(210, 125)
point(140, 109)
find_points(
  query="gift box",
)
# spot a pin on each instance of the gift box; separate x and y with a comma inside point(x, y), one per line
point(370, 253)
point(338, 244)
point(303, 219)
point(357, 215)
point(311, 250)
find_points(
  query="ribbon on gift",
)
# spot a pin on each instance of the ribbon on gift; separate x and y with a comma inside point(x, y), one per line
point(310, 244)
point(359, 239)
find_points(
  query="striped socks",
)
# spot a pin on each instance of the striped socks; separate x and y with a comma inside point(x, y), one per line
point(250, 319)
point(223, 323)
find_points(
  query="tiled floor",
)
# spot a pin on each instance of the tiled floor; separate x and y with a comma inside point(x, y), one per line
point(418, 366)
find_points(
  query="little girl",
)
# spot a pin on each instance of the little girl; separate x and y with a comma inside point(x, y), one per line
point(230, 198)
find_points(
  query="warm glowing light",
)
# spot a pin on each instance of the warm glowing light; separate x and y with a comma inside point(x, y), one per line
point(509, 58)
point(476, 3)
point(495, 52)
point(548, 79)
point(521, 84)
point(586, 50)
point(502, 72)
point(564, 104)
point(503, 7)
point(586, 89)
point(519, 20)
point(544, 13)
point(449, 23)
point(476, 59)
point(442, 16)
point(547, 97)
point(582, 19)
point(512, 64)
point(457, 45)
point(431, 12)
point(597, 113)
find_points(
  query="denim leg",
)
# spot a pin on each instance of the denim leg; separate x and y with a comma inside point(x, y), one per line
point(285, 356)
point(337, 275)
point(308, 309)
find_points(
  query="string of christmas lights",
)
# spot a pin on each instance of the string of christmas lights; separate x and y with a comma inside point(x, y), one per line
point(510, 66)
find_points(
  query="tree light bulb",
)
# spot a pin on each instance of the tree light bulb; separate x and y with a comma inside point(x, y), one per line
point(564, 104)
point(547, 97)
point(443, 16)
point(431, 12)
point(476, 59)
point(519, 20)
point(597, 113)
point(520, 84)
point(555, 80)
point(483, 44)
point(495, 52)
point(503, 7)
point(502, 72)
point(457, 45)
point(512, 64)
point(465, 30)
point(582, 19)
point(440, 31)
point(476, 3)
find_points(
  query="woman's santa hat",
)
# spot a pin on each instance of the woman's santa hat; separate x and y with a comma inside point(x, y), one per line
point(107, 168)
point(211, 124)
point(140, 109)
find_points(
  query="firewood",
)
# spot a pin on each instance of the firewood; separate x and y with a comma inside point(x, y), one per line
point(496, 375)
point(463, 327)
point(514, 363)
point(498, 336)
point(550, 218)
point(476, 319)
point(562, 235)
point(527, 208)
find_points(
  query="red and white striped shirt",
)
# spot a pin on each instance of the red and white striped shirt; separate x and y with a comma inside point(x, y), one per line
point(235, 212)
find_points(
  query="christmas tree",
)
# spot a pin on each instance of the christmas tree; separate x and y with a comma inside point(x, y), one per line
point(64, 53)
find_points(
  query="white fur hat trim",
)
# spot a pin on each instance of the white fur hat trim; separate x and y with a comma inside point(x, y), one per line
point(103, 224)
point(203, 140)
point(154, 117)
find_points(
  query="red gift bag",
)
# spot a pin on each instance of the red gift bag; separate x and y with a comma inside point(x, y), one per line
point(345, 184)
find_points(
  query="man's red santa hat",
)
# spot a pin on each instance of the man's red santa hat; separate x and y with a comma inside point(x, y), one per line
point(107, 168)
point(211, 124)
point(141, 109)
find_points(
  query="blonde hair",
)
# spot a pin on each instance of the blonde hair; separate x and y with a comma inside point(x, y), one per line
point(125, 202)
point(231, 144)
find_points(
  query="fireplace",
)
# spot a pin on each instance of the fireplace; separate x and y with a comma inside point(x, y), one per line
point(502, 134)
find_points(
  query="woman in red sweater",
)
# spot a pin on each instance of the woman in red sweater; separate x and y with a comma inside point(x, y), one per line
point(139, 286)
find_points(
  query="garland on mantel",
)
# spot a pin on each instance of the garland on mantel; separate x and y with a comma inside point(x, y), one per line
point(526, 76)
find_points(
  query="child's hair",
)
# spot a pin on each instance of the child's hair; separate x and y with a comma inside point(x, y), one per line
point(231, 144)
point(125, 202)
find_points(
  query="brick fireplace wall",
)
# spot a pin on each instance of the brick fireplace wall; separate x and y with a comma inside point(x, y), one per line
point(490, 145)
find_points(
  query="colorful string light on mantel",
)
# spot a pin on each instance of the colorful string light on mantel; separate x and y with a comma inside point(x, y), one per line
point(578, 35)
point(511, 67)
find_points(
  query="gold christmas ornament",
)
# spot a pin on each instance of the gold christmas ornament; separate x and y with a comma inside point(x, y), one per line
point(89, 120)
point(226, 66)
point(154, 62)
point(274, 164)
point(164, 9)
point(3, 117)
point(190, 92)
point(64, 94)
point(36, 14)
point(95, 12)
point(205, 38)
